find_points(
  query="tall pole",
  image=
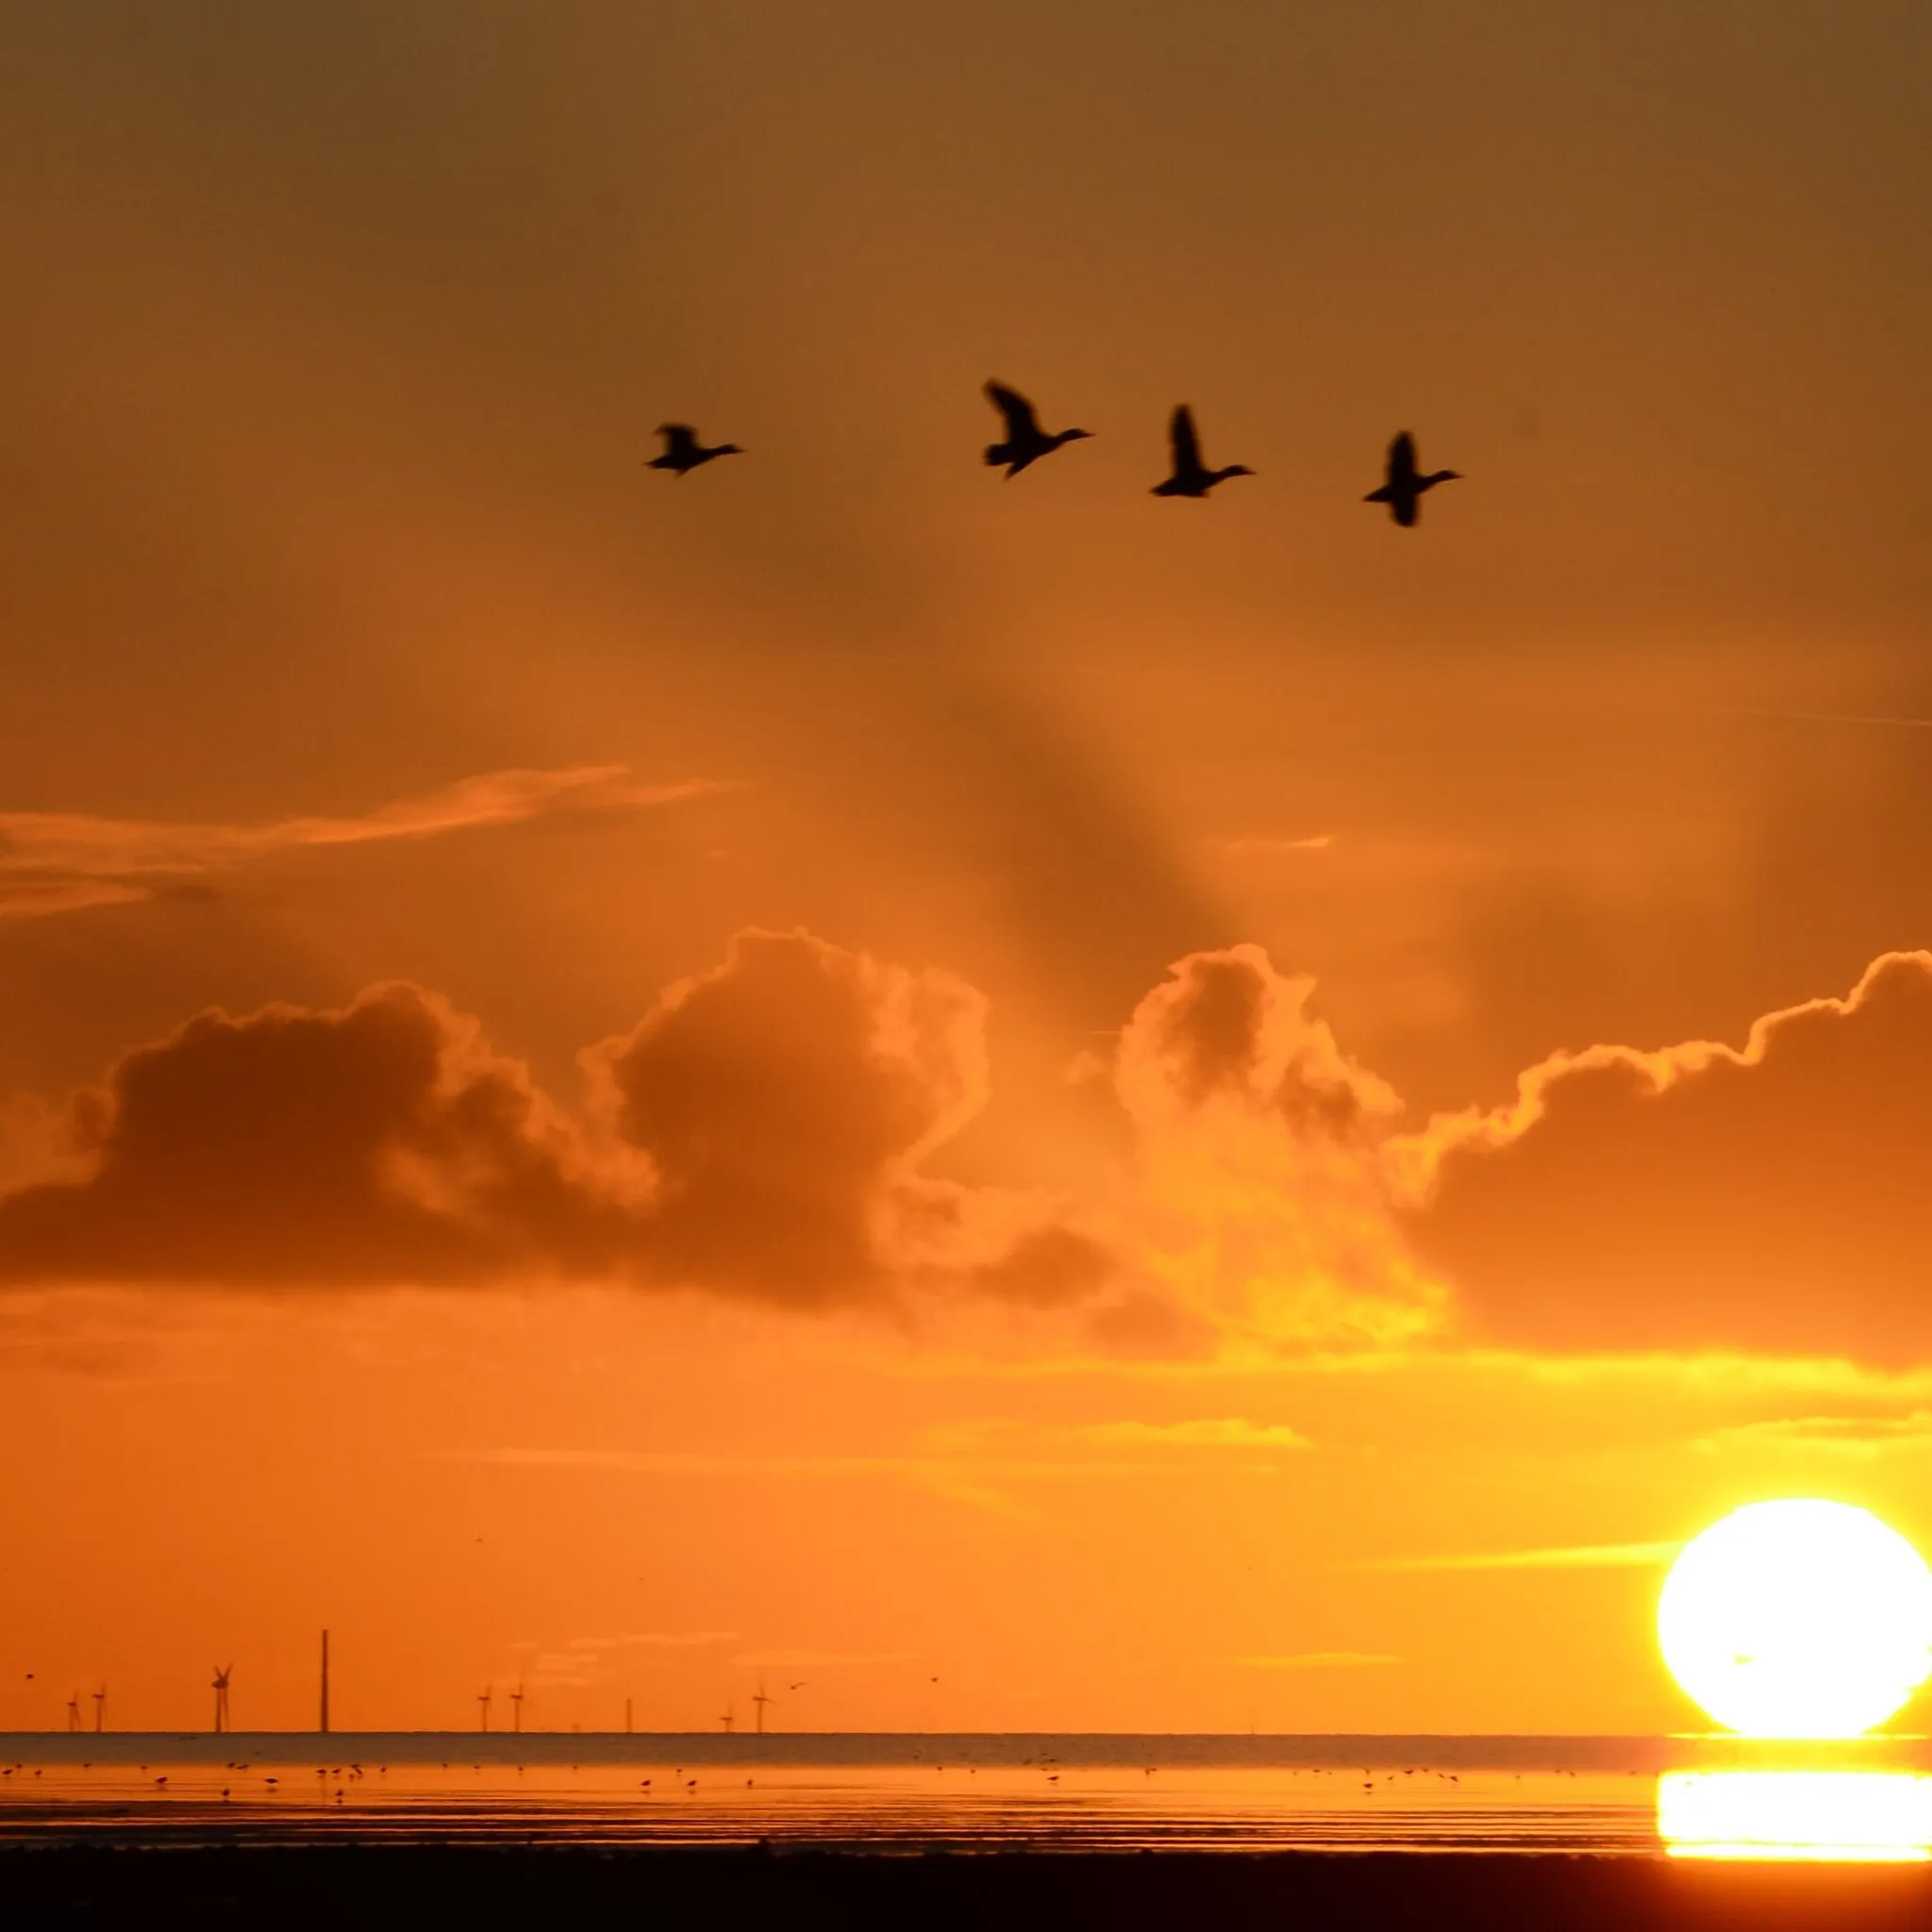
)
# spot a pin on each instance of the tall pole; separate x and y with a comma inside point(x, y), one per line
point(325, 1681)
point(627, 1717)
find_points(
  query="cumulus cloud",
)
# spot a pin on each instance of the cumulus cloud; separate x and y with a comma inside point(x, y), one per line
point(1768, 1197)
point(1263, 1201)
point(768, 1131)
point(382, 1142)
point(64, 861)
point(760, 1133)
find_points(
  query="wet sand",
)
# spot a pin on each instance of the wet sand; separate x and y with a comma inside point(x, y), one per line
point(430, 1885)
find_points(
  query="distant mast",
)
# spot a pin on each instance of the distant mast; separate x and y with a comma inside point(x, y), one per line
point(324, 1682)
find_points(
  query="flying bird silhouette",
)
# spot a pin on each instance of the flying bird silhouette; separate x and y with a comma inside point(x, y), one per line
point(684, 453)
point(1026, 441)
point(1190, 476)
point(1405, 484)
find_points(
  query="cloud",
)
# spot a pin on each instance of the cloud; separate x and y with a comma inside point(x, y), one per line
point(1221, 1432)
point(1769, 1197)
point(1216, 1432)
point(1270, 848)
point(1848, 1435)
point(759, 1134)
point(582, 1660)
point(1262, 1200)
point(769, 1131)
point(383, 1142)
point(817, 1660)
point(784, 1101)
point(1577, 1557)
point(1317, 1660)
point(64, 861)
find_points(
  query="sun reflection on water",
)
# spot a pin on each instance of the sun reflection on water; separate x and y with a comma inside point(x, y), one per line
point(1864, 1816)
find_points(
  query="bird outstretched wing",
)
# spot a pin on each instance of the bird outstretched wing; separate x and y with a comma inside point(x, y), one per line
point(1021, 423)
point(1402, 459)
point(1186, 445)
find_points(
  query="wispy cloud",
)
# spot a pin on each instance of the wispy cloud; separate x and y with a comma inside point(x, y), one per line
point(688, 1461)
point(1261, 848)
point(582, 1660)
point(817, 1660)
point(650, 1640)
point(970, 1464)
point(1850, 1435)
point(1317, 1660)
point(62, 861)
point(1574, 1557)
point(1221, 1432)
point(980, 1441)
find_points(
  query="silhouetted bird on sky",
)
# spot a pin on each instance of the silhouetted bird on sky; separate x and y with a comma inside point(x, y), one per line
point(1026, 441)
point(1405, 484)
point(1191, 478)
point(683, 453)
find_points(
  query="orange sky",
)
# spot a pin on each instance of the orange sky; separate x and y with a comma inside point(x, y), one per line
point(1023, 1105)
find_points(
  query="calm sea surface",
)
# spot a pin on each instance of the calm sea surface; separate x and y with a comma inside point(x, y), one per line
point(1637, 1797)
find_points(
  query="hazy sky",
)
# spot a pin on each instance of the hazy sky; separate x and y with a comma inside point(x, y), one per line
point(847, 1067)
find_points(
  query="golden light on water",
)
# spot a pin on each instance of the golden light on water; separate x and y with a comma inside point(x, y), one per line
point(1868, 1817)
point(1798, 1619)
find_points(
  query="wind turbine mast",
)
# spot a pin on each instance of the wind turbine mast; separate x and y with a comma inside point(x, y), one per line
point(516, 1709)
point(101, 1709)
point(324, 1683)
point(73, 1712)
point(483, 1706)
point(223, 1672)
point(760, 1699)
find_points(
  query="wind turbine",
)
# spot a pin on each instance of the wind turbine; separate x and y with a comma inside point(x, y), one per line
point(760, 1699)
point(483, 1704)
point(516, 1708)
point(101, 1709)
point(730, 1718)
point(223, 1672)
point(73, 1712)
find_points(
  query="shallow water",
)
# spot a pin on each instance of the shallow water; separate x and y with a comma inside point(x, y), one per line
point(1630, 1797)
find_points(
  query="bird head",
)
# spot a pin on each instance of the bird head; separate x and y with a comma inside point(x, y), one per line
point(1075, 435)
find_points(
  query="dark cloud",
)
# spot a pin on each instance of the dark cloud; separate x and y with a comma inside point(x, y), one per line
point(379, 1144)
point(759, 1133)
point(1773, 1197)
point(1227, 1026)
point(782, 1101)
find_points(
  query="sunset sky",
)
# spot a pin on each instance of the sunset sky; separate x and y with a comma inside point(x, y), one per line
point(1017, 1105)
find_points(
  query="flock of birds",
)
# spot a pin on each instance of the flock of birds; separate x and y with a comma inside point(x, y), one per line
point(1026, 442)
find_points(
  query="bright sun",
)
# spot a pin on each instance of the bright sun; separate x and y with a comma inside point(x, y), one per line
point(1798, 1619)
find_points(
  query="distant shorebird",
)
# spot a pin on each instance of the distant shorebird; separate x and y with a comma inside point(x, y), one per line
point(684, 453)
point(1026, 441)
point(1405, 484)
point(1191, 478)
